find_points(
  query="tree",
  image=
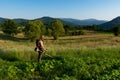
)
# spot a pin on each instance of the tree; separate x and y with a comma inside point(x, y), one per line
point(116, 30)
point(67, 29)
point(34, 29)
point(49, 32)
point(57, 28)
point(95, 27)
point(10, 27)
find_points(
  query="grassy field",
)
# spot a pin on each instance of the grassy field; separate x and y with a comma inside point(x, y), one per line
point(91, 56)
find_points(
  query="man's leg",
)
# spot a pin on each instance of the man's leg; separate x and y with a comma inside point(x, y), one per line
point(39, 56)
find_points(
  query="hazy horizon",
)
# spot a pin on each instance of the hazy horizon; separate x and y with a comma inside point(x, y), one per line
point(76, 9)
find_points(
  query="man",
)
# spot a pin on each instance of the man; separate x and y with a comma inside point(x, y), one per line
point(40, 47)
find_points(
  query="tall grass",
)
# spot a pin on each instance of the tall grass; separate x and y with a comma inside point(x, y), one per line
point(28, 55)
point(96, 45)
point(90, 57)
point(13, 55)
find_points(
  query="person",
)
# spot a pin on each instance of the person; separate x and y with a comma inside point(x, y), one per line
point(40, 47)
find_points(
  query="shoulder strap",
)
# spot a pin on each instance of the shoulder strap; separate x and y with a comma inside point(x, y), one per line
point(37, 41)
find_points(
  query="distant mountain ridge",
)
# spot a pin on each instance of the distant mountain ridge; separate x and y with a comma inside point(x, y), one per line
point(67, 21)
point(72, 22)
point(2, 19)
point(84, 22)
point(20, 20)
point(112, 23)
point(46, 20)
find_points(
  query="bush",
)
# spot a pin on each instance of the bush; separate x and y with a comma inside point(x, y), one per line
point(79, 32)
point(10, 27)
point(116, 30)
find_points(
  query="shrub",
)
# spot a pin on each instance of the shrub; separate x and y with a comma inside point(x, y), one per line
point(116, 30)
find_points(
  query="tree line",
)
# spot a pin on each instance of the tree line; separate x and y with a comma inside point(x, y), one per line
point(33, 29)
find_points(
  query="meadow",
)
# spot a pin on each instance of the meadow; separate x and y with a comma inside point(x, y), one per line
point(94, 56)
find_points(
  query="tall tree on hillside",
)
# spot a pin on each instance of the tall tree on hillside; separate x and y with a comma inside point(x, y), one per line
point(10, 27)
point(116, 30)
point(34, 29)
point(57, 28)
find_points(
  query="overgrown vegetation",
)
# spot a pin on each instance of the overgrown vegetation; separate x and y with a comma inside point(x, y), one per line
point(68, 64)
point(95, 56)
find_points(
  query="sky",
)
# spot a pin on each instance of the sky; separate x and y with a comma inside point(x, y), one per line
point(76, 9)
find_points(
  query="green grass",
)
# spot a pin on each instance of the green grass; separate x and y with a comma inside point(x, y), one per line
point(88, 57)
point(72, 64)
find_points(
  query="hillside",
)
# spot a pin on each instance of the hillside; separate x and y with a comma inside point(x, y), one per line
point(20, 20)
point(84, 22)
point(66, 21)
point(72, 22)
point(2, 19)
point(112, 23)
point(48, 20)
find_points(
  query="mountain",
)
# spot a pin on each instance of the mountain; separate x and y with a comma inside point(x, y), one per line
point(66, 21)
point(2, 19)
point(112, 23)
point(20, 20)
point(48, 20)
point(84, 22)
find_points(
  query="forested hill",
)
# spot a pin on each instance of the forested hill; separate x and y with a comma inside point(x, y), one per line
point(48, 20)
point(72, 22)
point(18, 20)
point(2, 19)
point(45, 20)
point(112, 23)
point(66, 21)
point(84, 22)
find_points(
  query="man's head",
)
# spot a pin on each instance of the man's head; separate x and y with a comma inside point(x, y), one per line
point(42, 37)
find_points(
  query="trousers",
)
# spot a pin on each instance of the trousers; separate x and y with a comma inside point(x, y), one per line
point(39, 55)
